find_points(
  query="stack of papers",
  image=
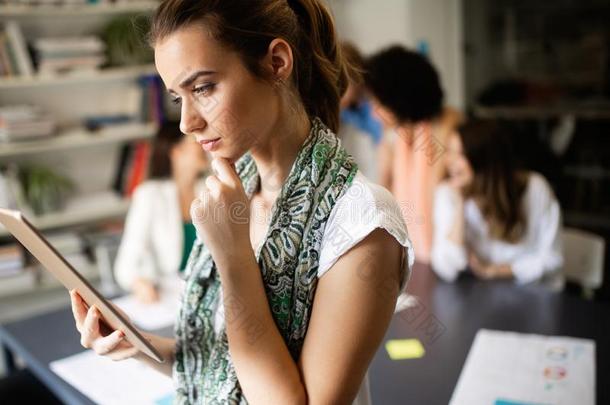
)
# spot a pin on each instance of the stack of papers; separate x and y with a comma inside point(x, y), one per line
point(106, 381)
point(158, 315)
point(506, 368)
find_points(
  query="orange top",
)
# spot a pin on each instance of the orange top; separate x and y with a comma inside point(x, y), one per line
point(417, 168)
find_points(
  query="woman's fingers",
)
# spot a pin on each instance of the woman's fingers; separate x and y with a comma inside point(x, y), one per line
point(78, 309)
point(91, 328)
point(113, 346)
point(225, 172)
point(105, 345)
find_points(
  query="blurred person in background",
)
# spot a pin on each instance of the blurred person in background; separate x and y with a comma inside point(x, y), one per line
point(159, 233)
point(500, 222)
point(408, 99)
point(360, 131)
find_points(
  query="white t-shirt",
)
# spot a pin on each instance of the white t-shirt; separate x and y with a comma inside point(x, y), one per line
point(537, 254)
point(364, 207)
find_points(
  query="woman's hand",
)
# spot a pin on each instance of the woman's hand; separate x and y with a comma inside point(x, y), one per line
point(91, 327)
point(489, 271)
point(145, 291)
point(221, 215)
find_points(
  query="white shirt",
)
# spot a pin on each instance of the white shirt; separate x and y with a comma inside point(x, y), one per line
point(536, 255)
point(364, 207)
point(153, 237)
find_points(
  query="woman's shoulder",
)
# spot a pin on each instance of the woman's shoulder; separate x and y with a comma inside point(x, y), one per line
point(538, 187)
point(444, 189)
point(537, 181)
point(539, 195)
point(364, 207)
point(154, 189)
point(368, 202)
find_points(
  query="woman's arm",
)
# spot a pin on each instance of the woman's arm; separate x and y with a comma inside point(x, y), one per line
point(353, 306)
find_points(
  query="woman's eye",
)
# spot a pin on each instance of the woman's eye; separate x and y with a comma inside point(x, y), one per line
point(204, 89)
point(176, 100)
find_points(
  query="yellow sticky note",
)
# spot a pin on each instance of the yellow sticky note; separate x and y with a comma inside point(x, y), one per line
point(400, 349)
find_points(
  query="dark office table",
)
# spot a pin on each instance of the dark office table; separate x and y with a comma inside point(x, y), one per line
point(445, 318)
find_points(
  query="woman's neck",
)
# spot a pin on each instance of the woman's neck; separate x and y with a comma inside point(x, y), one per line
point(274, 158)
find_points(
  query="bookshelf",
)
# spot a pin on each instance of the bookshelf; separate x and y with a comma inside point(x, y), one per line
point(31, 11)
point(81, 210)
point(94, 77)
point(89, 158)
point(80, 138)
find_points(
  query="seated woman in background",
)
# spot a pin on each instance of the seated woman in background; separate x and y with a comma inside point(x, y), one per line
point(159, 233)
point(500, 222)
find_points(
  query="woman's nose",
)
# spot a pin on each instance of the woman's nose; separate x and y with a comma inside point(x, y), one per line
point(191, 120)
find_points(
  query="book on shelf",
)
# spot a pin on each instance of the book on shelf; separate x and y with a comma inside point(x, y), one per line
point(134, 158)
point(63, 54)
point(11, 260)
point(6, 65)
point(11, 192)
point(139, 167)
point(15, 50)
point(24, 122)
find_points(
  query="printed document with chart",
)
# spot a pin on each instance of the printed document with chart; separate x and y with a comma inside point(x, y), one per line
point(507, 368)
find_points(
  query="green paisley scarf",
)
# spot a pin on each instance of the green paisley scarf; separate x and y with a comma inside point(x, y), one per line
point(288, 260)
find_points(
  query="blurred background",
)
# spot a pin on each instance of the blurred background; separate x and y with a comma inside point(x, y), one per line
point(80, 103)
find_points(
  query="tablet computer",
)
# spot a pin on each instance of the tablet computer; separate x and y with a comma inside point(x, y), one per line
point(42, 250)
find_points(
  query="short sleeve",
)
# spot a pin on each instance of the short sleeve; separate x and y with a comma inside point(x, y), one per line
point(363, 208)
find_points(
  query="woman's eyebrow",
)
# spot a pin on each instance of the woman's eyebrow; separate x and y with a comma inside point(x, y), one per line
point(192, 77)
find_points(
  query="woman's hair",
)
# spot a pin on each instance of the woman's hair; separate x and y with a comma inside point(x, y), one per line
point(406, 83)
point(167, 137)
point(497, 186)
point(320, 72)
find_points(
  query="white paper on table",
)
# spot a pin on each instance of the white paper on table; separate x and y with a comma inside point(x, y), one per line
point(106, 381)
point(507, 368)
point(156, 315)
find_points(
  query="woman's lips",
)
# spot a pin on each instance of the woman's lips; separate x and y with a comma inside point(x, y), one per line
point(209, 145)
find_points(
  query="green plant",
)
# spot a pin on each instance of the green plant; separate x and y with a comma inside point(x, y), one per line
point(125, 41)
point(45, 191)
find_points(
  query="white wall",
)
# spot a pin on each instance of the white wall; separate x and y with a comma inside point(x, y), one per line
point(374, 24)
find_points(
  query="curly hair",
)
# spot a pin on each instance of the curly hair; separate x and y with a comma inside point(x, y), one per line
point(406, 83)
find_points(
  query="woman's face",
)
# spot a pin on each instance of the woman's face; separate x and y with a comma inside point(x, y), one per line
point(223, 106)
point(459, 169)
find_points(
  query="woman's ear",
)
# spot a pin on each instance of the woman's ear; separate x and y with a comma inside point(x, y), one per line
point(279, 60)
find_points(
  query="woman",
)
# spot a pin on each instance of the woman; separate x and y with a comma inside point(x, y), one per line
point(500, 222)
point(289, 292)
point(158, 232)
point(408, 99)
